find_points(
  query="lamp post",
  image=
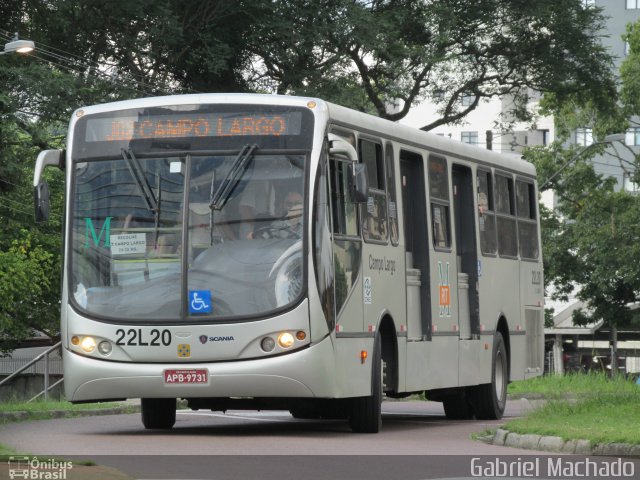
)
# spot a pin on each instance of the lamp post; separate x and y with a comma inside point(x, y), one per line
point(609, 139)
point(18, 46)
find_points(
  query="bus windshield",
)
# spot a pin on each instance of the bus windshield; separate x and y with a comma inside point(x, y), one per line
point(181, 236)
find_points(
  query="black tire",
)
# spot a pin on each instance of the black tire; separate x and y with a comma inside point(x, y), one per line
point(305, 414)
point(490, 399)
point(158, 413)
point(328, 410)
point(366, 412)
point(456, 407)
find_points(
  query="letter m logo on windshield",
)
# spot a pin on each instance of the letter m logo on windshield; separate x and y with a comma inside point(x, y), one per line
point(90, 232)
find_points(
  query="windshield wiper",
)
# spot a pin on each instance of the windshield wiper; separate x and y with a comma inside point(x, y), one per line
point(144, 188)
point(218, 198)
point(229, 182)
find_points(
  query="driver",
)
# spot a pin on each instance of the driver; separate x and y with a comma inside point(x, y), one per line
point(290, 225)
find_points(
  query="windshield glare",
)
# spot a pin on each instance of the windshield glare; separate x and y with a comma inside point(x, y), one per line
point(134, 256)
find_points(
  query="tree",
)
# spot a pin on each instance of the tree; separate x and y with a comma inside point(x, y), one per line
point(104, 51)
point(400, 52)
point(630, 72)
point(591, 241)
point(369, 55)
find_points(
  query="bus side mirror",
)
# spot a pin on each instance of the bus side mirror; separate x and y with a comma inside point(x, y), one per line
point(340, 147)
point(41, 201)
point(41, 189)
point(360, 183)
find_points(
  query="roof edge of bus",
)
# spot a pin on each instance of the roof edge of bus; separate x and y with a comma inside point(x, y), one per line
point(180, 99)
point(393, 129)
point(430, 140)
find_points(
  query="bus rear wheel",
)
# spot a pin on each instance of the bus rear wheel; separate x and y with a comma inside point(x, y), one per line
point(158, 413)
point(489, 399)
point(366, 412)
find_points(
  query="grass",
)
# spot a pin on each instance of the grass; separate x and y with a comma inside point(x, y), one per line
point(601, 409)
point(42, 410)
point(6, 451)
point(576, 384)
point(54, 405)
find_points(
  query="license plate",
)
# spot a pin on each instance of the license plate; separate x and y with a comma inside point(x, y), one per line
point(186, 376)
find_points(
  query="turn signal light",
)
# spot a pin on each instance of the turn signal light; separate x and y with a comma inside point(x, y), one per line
point(363, 356)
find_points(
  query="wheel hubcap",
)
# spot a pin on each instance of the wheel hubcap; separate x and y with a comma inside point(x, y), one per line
point(499, 376)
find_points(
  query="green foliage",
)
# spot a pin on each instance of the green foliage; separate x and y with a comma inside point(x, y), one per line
point(606, 409)
point(590, 240)
point(400, 52)
point(574, 385)
point(26, 271)
point(600, 418)
point(630, 71)
point(366, 55)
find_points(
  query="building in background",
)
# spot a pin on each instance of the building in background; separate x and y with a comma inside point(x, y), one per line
point(492, 125)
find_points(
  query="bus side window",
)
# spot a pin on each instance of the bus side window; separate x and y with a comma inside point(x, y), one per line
point(440, 205)
point(345, 217)
point(391, 191)
point(346, 237)
point(486, 213)
point(374, 218)
point(527, 225)
point(506, 221)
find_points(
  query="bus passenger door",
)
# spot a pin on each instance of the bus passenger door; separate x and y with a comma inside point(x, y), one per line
point(347, 250)
point(414, 214)
point(467, 256)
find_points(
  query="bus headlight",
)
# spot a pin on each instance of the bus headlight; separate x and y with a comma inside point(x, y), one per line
point(88, 344)
point(285, 340)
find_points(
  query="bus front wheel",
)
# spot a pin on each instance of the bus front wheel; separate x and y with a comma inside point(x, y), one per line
point(158, 413)
point(366, 412)
point(490, 399)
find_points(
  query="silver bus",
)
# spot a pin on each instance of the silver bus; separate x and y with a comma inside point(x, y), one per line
point(271, 252)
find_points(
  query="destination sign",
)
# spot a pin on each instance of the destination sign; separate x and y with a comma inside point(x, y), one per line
point(180, 125)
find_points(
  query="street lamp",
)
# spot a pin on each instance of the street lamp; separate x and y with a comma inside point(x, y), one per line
point(609, 139)
point(18, 46)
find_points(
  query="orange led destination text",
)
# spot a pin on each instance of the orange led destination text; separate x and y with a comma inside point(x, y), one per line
point(200, 127)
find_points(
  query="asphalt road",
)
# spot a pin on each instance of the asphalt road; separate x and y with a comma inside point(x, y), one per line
point(416, 442)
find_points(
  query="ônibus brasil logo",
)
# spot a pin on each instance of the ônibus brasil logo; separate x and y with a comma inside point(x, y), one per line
point(37, 469)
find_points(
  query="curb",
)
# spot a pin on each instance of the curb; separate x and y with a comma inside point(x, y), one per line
point(505, 438)
point(23, 415)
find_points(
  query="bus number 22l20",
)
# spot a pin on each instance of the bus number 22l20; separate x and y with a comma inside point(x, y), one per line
point(136, 338)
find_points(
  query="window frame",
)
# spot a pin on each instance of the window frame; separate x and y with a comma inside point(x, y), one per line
point(632, 137)
point(584, 136)
point(530, 219)
point(443, 203)
point(392, 193)
point(374, 192)
point(490, 211)
point(471, 135)
point(500, 215)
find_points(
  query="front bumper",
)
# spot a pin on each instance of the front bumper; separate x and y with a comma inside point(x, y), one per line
point(307, 373)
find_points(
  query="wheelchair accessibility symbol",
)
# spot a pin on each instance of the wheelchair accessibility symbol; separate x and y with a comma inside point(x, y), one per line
point(200, 301)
